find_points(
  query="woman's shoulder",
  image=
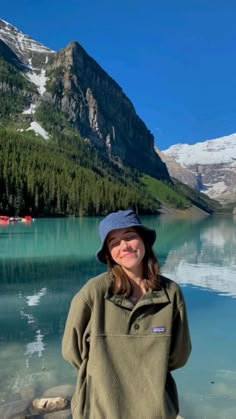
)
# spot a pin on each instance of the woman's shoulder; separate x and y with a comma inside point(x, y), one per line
point(99, 282)
point(94, 287)
point(171, 287)
point(166, 282)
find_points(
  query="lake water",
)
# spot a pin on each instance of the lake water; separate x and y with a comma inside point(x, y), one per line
point(42, 265)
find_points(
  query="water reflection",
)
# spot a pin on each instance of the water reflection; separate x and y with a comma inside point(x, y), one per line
point(206, 259)
point(33, 300)
point(220, 279)
point(37, 346)
point(30, 318)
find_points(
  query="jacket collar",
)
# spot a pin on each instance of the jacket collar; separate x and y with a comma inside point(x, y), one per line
point(158, 296)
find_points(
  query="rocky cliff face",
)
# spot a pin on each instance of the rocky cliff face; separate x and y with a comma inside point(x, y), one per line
point(97, 106)
point(218, 181)
point(92, 101)
point(179, 172)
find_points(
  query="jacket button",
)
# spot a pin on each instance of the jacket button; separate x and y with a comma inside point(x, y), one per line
point(136, 326)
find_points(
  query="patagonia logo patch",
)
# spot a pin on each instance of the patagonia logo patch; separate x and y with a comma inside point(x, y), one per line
point(158, 329)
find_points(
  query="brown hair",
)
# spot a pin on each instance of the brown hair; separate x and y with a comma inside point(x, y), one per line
point(151, 271)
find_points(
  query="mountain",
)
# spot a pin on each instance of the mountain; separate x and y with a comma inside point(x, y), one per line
point(212, 163)
point(71, 142)
point(29, 53)
point(73, 83)
point(177, 171)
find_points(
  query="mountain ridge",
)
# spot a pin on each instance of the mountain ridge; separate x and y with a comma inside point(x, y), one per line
point(212, 162)
point(23, 45)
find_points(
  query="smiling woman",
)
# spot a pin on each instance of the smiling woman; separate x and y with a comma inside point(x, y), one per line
point(126, 254)
point(127, 250)
point(126, 326)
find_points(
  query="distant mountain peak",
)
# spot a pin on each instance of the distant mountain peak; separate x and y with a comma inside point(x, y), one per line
point(217, 151)
point(212, 161)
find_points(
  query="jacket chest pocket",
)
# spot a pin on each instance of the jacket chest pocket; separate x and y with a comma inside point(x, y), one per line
point(113, 320)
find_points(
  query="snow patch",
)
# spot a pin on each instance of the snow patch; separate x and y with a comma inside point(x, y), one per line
point(39, 80)
point(216, 189)
point(36, 127)
point(218, 151)
point(30, 110)
point(22, 42)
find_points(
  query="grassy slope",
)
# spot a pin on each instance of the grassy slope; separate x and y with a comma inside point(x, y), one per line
point(179, 196)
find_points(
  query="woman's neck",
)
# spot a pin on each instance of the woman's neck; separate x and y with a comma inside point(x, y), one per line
point(138, 288)
point(136, 276)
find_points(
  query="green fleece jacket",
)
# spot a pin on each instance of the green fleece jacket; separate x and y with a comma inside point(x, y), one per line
point(124, 353)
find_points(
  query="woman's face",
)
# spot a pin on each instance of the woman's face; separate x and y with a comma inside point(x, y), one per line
point(126, 249)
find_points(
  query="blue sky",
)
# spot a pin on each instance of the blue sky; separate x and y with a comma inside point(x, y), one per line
point(174, 59)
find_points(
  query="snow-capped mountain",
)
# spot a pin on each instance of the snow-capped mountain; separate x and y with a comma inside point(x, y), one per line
point(177, 171)
point(28, 50)
point(31, 57)
point(31, 54)
point(213, 162)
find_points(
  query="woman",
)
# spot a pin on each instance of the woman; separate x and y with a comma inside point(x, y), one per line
point(126, 330)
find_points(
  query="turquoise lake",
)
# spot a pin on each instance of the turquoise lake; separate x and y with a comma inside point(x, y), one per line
point(43, 264)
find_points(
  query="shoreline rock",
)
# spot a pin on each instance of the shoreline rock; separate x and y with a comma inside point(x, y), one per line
point(53, 404)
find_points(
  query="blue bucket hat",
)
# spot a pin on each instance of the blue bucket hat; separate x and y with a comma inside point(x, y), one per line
point(117, 220)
